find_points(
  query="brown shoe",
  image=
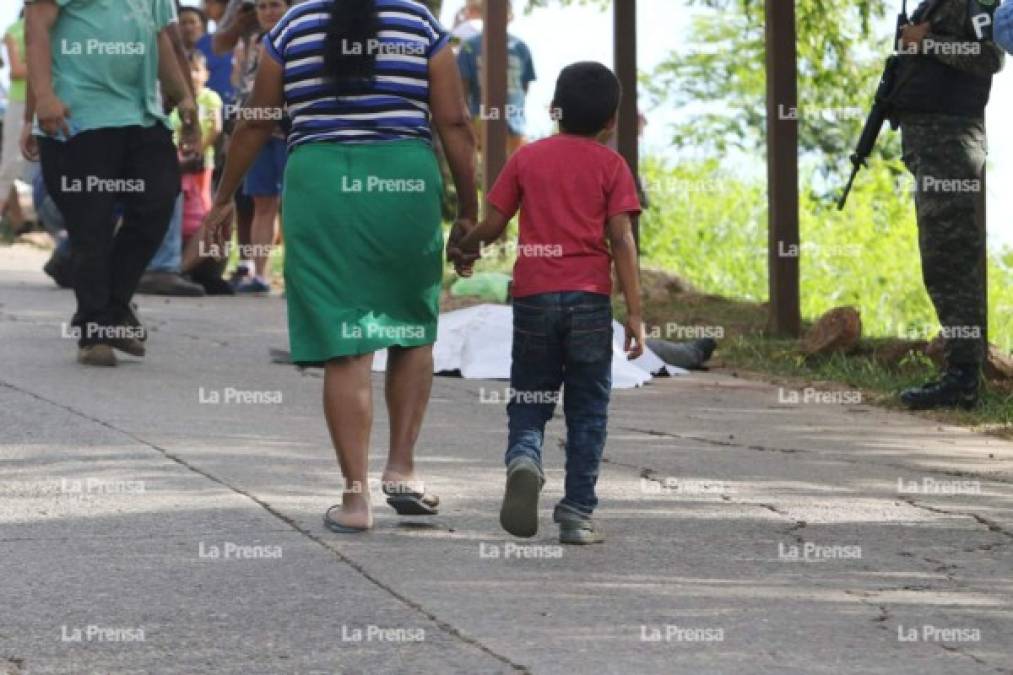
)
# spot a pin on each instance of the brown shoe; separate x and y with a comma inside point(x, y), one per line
point(131, 346)
point(96, 355)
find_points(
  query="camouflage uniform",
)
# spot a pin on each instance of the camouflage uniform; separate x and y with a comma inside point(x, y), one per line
point(946, 153)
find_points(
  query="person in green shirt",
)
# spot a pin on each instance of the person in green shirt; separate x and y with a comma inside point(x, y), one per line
point(98, 70)
point(11, 161)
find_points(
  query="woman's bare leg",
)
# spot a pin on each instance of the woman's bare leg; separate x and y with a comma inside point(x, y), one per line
point(348, 407)
point(263, 231)
point(409, 383)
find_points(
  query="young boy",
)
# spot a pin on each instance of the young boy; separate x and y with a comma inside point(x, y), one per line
point(197, 171)
point(575, 198)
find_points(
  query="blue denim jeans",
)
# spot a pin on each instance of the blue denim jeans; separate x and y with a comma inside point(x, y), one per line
point(562, 340)
point(169, 256)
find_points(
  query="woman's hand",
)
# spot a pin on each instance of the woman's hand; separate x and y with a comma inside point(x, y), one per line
point(216, 229)
point(29, 143)
point(52, 114)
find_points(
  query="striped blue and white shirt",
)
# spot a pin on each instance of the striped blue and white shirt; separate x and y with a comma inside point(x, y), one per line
point(394, 106)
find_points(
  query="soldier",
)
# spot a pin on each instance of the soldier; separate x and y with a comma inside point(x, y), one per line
point(948, 59)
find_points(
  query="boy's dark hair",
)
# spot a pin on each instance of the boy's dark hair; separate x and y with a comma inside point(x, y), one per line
point(196, 10)
point(587, 97)
point(197, 58)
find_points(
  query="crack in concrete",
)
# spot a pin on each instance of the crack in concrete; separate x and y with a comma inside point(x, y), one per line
point(954, 473)
point(712, 441)
point(991, 525)
point(443, 625)
point(12, 665)
point(884, 617)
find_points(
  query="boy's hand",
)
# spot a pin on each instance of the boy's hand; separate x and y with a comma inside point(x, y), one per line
point(634, 346)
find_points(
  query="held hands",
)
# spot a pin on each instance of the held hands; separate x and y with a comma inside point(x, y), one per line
point(634, 344)
point(464, 261)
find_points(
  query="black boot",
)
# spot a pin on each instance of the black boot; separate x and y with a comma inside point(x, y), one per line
point(958, 388)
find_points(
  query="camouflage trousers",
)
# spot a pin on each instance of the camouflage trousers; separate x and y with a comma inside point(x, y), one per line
point(947, 157)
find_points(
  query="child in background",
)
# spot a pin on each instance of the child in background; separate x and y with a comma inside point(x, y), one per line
point(197, 169)
point(576, 197)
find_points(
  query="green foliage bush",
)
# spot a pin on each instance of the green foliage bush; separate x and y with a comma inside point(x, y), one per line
point(710, 227)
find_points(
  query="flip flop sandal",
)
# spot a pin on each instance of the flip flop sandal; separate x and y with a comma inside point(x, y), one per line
point(410, 502)
point(335, 526)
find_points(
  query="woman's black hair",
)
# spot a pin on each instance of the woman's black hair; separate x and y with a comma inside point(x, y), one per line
point(348, 54)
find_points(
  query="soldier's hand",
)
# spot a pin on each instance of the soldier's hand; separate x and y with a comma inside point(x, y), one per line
point(913, 34)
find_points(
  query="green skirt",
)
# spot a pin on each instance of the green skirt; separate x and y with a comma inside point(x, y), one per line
point(363, 248)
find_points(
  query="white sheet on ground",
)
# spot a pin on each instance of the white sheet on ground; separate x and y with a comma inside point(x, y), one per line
point(477, 341)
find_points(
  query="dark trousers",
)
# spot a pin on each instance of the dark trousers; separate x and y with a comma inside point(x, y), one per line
point(562, 340)
point(946, 155)
point(87, 177)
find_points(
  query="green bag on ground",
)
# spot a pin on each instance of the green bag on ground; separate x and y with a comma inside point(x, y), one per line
point(491, 286)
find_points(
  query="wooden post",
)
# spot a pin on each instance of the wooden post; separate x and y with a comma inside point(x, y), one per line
point(494, 91)
point(782, 169)
point(628, 132)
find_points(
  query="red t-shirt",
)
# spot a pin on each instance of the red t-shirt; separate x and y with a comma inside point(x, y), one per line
point(566, 187)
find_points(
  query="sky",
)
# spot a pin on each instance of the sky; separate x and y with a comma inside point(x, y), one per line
point(560, 36)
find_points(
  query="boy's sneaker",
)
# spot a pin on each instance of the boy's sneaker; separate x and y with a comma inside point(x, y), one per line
point(576, 527)
point(519, 513)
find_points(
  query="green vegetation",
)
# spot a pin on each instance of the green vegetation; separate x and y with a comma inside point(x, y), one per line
point(710, 228)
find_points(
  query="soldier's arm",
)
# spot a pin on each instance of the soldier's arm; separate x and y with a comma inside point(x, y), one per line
point(972, 52)
point(983, 58)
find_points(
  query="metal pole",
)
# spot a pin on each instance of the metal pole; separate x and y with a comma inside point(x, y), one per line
point(782, 168)
point(494, 91)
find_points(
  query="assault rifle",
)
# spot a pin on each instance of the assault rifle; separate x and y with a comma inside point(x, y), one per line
point(881, 107)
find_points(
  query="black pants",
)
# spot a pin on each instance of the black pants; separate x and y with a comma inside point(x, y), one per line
point(88, 176)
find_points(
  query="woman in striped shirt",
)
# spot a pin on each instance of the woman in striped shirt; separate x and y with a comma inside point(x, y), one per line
point(365, 83)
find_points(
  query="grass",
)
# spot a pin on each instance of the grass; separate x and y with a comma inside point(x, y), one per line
point(747, 350)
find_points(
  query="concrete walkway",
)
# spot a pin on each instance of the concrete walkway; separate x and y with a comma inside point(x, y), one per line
point(145, 528)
